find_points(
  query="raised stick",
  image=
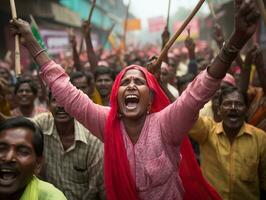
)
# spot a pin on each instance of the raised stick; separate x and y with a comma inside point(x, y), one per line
point(17, 51)
point(89, 21)
point(125, 27)
point(168, 14)
point(178, 32)
point(91, 11)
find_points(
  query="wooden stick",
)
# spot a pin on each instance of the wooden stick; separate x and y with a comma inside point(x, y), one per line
point(178, 32)
point(262, 10)
point(168, 14)
point(89, 21)
point(81, 44)
point(91, 11)
point(125, 26)
point(17, 51)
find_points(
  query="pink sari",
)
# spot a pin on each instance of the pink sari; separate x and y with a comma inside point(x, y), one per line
point(119, 183)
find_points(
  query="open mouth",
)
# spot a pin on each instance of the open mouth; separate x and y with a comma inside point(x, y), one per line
point(131, 101)
point(7, 176)
point(233, 117)
point(62, 114)
point(25, 99)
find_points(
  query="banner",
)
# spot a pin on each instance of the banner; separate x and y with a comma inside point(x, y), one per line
point(56, 40)
point(133, 24)
point(156, 24)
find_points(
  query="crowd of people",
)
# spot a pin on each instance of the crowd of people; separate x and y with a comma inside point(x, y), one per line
point(120, 125)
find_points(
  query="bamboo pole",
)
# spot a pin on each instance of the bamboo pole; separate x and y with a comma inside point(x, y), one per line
point(89, 21)
point(168, 14)
point(91, 10)
point(125, 26)
point(178, 32)
point(17, 51)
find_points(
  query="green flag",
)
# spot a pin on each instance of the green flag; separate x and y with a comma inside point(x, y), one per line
point(36, 32)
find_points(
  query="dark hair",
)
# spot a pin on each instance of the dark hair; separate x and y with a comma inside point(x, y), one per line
point(32, 84)
point(100, 70)
point(80, 74)
point(230, 89)
point(37, 134)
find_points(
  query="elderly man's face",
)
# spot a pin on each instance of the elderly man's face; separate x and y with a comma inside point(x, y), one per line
point(18, 160)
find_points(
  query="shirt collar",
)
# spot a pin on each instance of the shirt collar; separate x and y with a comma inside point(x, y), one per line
point(244, 129)
point(80, 131)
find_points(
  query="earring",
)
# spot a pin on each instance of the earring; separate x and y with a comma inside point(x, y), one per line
point(148, 109)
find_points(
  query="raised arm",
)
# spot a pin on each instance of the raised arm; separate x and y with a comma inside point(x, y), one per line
point(75, 54)
point(246, 21)
point(180, 116)
point(86, 27)
point(219, 39)
point(218, 35)
point(74, 101)
point(190, 45)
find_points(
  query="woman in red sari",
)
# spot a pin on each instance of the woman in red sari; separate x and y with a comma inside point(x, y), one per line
point(142, 132)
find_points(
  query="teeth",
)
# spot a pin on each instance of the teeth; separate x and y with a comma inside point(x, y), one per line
point(6, 170)
point(131, 96)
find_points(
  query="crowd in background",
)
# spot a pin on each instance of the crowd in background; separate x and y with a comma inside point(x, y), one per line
point(74, 157)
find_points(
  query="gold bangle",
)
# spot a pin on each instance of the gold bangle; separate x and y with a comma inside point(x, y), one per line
point(38, 53)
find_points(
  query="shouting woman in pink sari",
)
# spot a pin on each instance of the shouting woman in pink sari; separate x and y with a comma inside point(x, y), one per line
point(147, 154)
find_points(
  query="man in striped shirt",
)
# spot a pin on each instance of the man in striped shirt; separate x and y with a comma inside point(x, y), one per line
point(73, 156)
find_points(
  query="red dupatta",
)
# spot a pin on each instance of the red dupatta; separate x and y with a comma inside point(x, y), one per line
point(119, 183)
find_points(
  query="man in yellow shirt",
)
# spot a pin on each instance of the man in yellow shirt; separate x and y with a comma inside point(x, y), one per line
point(232, 152)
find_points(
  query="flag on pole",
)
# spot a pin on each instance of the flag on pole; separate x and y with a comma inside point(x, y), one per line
point(133, 24)
point(36, 32)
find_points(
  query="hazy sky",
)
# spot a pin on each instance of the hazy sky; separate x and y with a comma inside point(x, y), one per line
point(148, 8)
point(145, 9)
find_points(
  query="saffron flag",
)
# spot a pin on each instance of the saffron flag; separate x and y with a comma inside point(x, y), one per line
point(133, 24)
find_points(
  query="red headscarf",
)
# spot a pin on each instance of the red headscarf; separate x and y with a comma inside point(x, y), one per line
point(119, 183)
